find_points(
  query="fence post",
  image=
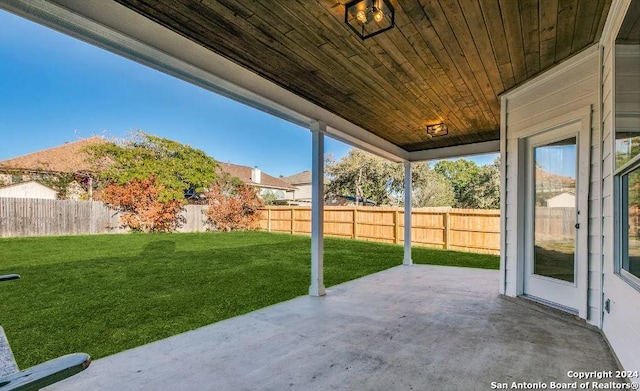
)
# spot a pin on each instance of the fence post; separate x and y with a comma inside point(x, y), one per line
point(355, 222)
point(268, 219)
point(396, 227)
point(293, 219)
point(446, 230)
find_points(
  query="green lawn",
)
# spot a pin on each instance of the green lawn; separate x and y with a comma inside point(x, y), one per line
point(107, 293)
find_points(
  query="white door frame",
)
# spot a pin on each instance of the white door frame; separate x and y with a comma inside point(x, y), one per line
point(583, 117)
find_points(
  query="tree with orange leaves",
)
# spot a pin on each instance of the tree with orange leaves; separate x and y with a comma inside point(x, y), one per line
point(147, 177)
point(233, 205)
point(138, 201)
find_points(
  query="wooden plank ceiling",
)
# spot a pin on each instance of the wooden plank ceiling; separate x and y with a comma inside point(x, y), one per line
point(445, 61)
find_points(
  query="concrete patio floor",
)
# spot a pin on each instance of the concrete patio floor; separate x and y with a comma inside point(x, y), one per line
point(406, 328)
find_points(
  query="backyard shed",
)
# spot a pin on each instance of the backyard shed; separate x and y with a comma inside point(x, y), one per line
point(551, 85)
point(561, 200)
point(29, 189)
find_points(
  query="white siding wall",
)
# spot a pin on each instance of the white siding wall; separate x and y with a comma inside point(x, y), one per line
point(571, 87)
point(303, 192)
point(622, 325)
point(29, 190)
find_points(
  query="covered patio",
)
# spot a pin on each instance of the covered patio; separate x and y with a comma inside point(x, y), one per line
point(409, 327)
point(450, 79)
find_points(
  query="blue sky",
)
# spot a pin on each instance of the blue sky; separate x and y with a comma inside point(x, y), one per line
point(55, 88)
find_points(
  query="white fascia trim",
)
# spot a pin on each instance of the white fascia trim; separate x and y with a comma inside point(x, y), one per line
point(567, 65)
point(113, 27)
point(612, 25)
point(456, 151)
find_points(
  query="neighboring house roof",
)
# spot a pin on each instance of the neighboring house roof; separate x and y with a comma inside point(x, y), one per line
point(69, 157)
point(543, 176)
point(31, 183)
point(244, 173)
point(564, 194)
point(301, 178)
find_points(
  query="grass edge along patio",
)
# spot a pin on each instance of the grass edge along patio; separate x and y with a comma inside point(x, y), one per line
point(106, 293)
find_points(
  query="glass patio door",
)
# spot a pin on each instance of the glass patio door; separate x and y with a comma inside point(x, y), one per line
point(556, 231)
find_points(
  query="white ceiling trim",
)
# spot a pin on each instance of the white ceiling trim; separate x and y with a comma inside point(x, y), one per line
point(456, 151)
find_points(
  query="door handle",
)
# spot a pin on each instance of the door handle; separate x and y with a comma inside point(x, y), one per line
point(577, 225)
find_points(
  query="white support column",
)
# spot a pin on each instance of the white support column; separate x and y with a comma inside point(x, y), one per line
point(317, 209)
point(407, 214)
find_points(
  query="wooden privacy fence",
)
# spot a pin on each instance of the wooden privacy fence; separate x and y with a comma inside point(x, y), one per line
point(457, 229)
point(472, 230)
point(40, 217)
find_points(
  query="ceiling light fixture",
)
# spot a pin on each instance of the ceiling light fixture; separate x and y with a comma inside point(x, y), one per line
point(437, 130)
point(378, 15)
point(362, 16)
point(369, 17)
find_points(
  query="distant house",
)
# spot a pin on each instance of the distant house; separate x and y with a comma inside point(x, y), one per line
point(29, 189)
point(562, 200)
point(302, 182)
point(65, 165)
point(302, 194)
point(265, 183)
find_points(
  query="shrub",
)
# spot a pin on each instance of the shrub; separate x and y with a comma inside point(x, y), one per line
point(138, 201)
point(233, 206)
